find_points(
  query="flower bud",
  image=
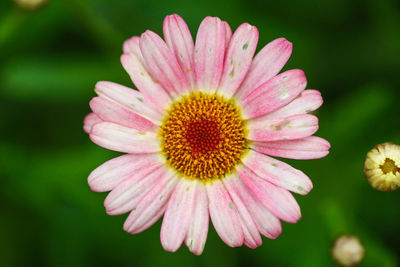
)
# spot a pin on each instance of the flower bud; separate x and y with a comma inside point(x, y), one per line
point(30, 4)
point(347, 250)
point(382, 167)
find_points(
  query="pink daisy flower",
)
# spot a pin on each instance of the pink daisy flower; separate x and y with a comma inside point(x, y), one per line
point(199, 134)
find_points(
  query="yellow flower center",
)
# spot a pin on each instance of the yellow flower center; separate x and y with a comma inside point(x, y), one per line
point(389, 166)
point(203, 136)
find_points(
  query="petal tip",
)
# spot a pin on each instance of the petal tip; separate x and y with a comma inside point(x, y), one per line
point(304, 190)
point(173, 16)
point(294, 218)
point(275, 234)
point(168, 247)
point(92, 182)
point(147, 34)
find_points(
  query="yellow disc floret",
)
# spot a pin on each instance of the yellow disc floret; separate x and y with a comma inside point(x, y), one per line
point(203, 136)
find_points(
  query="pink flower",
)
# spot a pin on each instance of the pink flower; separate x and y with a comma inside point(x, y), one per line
point(199, 134)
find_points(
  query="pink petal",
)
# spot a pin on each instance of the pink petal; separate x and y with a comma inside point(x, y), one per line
point(162, 63)
point(251, 234)
point(180, 41)
point(293, 127)
point(113, 112)
point(90, 120)
point(177, 217)
point(224, 214)
point(238, 58)
point(111, 173)
point(148, 210)
point(209, 53)
point(267, 224)
point(132, 45)
point(150, 222)
point(198, 228)
point(311, 147)
point(128, 98)
point(278, 172)
point(266, 64)
point(228, 33)
point(273, 94)
point(308, 101)
point(125, 196)
point(150, 88)
point(122, 139)
point(276, 199)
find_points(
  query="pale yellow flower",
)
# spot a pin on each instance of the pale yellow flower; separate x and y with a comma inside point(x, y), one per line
point(347, 250)
point(30, 4)
point(382, 167)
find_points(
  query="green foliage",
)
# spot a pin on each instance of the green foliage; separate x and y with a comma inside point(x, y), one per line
point(50, 60)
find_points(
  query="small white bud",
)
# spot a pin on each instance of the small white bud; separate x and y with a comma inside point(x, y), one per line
point(347, 250)
point(30, 4)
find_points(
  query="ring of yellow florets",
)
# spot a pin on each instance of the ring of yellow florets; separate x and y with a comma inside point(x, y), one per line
point(203, 136)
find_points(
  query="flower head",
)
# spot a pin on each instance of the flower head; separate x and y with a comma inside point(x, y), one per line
point(30, 4)
point(198, 134)
point(382, 167)
point(347, 250)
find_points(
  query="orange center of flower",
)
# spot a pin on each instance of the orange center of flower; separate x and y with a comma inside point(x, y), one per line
point(203, 136)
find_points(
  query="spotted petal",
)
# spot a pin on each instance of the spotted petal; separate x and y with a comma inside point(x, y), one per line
point(209, 53)
point(266, 64)
point(238, 58)
point(308, 101)
point(273, 94)
point(180, 41)
point(311, 147)
point(278, 173)
point(293, 127)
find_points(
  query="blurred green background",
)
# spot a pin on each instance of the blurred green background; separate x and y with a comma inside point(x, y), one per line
point(50, 60)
